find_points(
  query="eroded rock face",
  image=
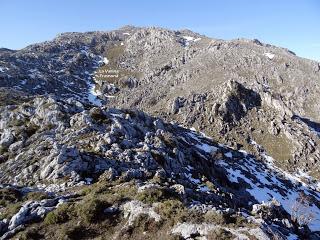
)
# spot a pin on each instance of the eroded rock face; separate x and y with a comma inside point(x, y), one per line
point(236, 101)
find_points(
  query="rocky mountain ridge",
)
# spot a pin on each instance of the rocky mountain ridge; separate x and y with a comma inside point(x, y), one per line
point(188, 78)
point(96, 127)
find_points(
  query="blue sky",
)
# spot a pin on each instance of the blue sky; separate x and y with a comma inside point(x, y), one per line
point(292, 24)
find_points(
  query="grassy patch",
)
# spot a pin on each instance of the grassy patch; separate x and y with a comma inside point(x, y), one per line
point(10, 210)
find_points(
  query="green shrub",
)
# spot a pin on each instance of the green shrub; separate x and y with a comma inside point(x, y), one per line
point(172, 211)
point(37, 196)
point(194, 216)
point(126, 191)
point(10, 210)
point(236, 220)
point(3, 150)
point(90, 210)
point(8, 196)
point(214, 217)
point(70, 232)
point(156, 195)
point(60, 215)
point(30, 234)
point(150, 196)
point(240, 221)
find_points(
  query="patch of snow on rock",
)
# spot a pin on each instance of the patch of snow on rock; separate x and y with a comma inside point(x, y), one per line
point(189, 39)
point(105, 60)
point(269, 55)
point(93, 96)
point(263, 178)
point(203, 146)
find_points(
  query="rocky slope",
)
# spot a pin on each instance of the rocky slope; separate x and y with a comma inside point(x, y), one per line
point(189, 78)
point(95, 139)
point(55, 148)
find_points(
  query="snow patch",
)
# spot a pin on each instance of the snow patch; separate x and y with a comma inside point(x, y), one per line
point(201, 145)
point(269, 55)
point(93, 95)
point(105, 60)
point(207, 148)
point(266, 183)
point(189, 39)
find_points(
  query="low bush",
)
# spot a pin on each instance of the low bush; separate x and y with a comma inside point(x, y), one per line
point(10, 210)
point(90, 210)
point(214, 217)
point(60, 215)
point(172, 211)
point(156, 195)
point(70, 232)
point(30, 234)
point(37, 196)
point(8, 196)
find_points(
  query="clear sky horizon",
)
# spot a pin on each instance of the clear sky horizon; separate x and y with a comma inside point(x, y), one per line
point(292, 24)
